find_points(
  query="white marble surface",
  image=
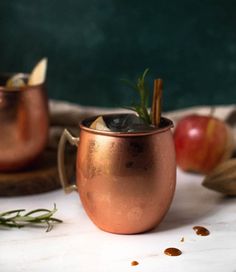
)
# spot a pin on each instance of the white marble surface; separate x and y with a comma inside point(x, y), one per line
point(77, 245)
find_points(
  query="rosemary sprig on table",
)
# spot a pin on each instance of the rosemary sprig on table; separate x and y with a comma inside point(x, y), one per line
point(19, 219)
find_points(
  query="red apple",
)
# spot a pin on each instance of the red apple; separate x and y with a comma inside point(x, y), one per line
point(201, 143)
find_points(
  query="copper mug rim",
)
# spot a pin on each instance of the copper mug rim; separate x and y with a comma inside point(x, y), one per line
point(16, 89)
point(165, 125)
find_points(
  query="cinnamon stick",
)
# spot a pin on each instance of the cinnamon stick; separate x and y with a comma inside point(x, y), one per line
point(156, 102)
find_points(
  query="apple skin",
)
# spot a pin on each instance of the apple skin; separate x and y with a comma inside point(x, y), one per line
point(201, 143)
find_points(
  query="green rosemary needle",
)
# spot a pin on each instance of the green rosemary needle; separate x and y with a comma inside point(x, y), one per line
point(19, 218)
point(141, 87)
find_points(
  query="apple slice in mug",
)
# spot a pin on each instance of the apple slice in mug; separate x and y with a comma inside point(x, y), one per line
point(38, 74)
point(16, 81)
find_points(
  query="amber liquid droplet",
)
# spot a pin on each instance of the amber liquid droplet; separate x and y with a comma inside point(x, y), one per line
point(134, 263)
point(172, 251)
point(201, 231)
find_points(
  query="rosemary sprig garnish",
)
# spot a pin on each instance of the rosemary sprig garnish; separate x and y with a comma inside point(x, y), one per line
point(143, 90)
point(141, 109)
point(19, 219)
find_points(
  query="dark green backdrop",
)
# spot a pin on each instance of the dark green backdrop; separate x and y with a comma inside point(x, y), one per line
point(91, 44)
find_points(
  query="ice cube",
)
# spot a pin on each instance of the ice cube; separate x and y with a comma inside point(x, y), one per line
point(127, 123)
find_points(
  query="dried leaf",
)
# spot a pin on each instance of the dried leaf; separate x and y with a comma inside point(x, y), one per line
point(223, 178)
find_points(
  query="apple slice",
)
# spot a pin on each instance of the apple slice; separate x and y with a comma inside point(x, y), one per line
point(16, 81)
point(99, 124)
point(38, 74)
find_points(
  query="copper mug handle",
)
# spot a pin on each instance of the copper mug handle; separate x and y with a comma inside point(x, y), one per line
point(66, 136)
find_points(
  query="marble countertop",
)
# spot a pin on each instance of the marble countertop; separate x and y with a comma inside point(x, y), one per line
point(78, 245)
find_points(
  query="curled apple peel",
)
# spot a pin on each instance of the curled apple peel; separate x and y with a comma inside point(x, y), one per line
point(202, 142)
point(16, 81)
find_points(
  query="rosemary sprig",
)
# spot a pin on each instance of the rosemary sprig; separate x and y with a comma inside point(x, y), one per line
point(143, 90)
point(19, 219)
point(141, 109)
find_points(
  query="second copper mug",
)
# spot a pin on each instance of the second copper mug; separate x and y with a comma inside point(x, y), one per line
point(24, 124)
point(126, 181)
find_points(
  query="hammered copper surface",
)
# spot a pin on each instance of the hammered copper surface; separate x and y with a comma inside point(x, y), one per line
point(126, 181)
point(23, 125)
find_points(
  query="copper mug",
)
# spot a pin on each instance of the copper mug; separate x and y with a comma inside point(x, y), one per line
point(24, 124)
point(126, 181)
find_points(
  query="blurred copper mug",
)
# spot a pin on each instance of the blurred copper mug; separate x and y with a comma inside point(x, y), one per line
point(126, 181)
point(24, 124)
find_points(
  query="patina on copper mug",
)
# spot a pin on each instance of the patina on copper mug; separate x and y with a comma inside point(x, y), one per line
point(24, 124)
point(126, 181)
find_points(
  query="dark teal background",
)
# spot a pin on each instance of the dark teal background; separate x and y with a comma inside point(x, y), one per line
point(91, 44)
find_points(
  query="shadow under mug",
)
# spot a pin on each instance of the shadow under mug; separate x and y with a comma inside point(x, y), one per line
point(126, 181)
point(24, 124)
